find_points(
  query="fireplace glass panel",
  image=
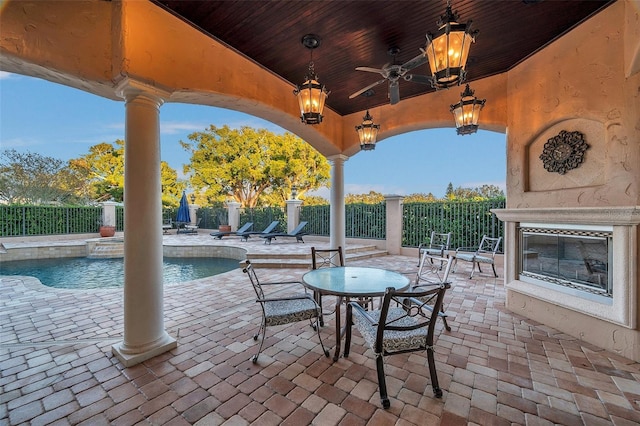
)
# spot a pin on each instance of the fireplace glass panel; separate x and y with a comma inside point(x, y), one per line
point(563, 258)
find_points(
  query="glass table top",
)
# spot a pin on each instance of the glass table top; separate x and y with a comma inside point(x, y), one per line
point(354, 281)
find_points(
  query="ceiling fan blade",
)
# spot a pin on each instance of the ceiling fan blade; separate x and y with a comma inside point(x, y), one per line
point(369, 69)
point(415, 62)
point(394, 92)
point(422, 79)
point(361, 91)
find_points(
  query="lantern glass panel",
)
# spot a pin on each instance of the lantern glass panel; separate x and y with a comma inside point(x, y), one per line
point(311, 97)
point(437, 54)
point(367, 133)
point(467, 112)
point(475, 114)
point(458, 115)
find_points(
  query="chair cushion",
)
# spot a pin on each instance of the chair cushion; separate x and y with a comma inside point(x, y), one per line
point(483, 259)
point(278, 312)
point(469, 257)
point(434, 251)
point(393, 340)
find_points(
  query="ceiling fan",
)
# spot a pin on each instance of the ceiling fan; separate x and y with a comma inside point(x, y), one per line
point(393, 73)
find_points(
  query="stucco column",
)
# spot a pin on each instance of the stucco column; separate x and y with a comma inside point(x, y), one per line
point(144, 333)
point(336, 199)
point(293, 214)
point(394, 223)
point(233, 212)
point(109, 213)
point(193, 213)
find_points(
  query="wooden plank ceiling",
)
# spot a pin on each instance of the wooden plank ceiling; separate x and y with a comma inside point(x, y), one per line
point(360, 33)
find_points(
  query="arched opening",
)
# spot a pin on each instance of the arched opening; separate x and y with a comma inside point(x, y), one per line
point(62, 122)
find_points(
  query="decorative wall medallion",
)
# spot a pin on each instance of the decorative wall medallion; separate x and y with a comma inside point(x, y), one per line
point(564, 152)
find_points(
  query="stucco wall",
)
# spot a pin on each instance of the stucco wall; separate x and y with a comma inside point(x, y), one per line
point(64, 42)
point(587, 81)
point(577, 83)
point(93, 45)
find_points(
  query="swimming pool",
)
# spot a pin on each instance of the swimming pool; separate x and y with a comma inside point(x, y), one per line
point(83, 273)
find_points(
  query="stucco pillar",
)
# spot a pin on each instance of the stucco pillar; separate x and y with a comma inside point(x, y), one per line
point(233, 212)
point(109, 213)
point(144, 333)
point(193, 213)
point(293, 214)
point(336, 199)
point(394, 223)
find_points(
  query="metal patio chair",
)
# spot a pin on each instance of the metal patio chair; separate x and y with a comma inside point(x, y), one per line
point(484, 253)
point(325, 258)
point(281, 309)
point(434, 271)
point(438, 245)
point(404, 323)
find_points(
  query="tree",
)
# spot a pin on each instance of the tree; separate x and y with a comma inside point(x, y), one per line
point(31, 178)
point(420, 198)
point(372, 197)
point(103, 167)
point(490, 191)
point(314, 200)
point(171, 187)
point(449, 194)
point(252, 167)
point(484, 192)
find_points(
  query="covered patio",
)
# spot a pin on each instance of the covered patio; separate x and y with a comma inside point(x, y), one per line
point(495, 367)
point(513, 356)
point(579, 80)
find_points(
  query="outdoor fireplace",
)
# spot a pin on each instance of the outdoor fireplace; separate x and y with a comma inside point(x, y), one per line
point(576, 270)
point(574, 258)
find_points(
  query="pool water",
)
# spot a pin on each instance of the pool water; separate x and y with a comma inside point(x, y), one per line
point(84, 273)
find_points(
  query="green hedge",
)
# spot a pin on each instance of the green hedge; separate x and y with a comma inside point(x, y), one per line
point(18, 220)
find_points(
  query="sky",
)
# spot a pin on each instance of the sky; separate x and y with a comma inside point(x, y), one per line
point(61, 122)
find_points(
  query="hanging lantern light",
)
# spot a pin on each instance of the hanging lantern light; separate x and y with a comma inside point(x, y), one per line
point(448, 50)
point(367, 133)
point(311, 94)
point(467, 112)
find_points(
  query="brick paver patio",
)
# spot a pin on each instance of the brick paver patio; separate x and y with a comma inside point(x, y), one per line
point(494, 367)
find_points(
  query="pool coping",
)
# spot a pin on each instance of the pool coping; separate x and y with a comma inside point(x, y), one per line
point(83, 247)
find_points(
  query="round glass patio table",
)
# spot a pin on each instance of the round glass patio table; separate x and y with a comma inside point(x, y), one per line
point(352, 282)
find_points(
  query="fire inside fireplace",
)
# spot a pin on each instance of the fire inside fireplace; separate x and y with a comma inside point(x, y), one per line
point(573, 258)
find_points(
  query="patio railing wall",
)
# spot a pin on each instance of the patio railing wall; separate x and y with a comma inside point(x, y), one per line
point(48, 220)
point(467, 221)
point(361, 220)
point(212, 217)
point(262, 217)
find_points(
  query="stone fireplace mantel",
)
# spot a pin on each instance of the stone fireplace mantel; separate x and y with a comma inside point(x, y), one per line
point(575, 215)
point(611, 324)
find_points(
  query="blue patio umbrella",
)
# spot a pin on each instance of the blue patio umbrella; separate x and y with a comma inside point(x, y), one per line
point(183, 210)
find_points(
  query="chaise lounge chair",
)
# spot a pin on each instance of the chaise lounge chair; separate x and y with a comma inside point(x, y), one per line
point(188, 228)
point(269, 229)
point(243, 229)
point(296, 233)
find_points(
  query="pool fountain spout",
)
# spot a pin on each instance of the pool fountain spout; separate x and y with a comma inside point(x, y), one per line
point(105, 248)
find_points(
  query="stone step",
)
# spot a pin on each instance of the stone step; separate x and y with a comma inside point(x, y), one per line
point(304, 261)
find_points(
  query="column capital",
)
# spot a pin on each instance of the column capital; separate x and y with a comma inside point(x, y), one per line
point(390, 197)
point(129, 89)
point(338, 158)
point(293, 202)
